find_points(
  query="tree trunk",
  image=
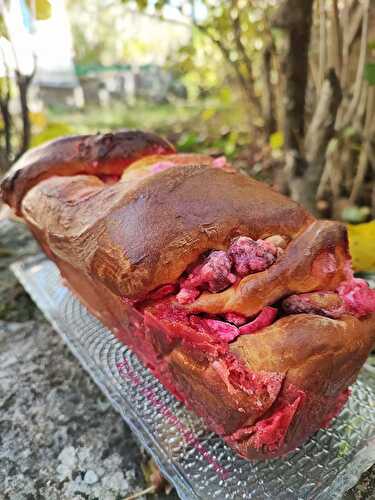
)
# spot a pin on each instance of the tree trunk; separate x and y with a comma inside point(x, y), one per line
point(7, 122)
point(5, 94)
point(295, 18)
point(23, 83)
point(268, 102)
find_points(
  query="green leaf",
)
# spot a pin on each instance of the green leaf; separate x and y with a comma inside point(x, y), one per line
point(349, 132)
point(355, 214)
point(188, 141)
point(369, 73)
point(52, 131)
point(160, 4)
point(277, 140)
point(141, 4)
point(3, 30)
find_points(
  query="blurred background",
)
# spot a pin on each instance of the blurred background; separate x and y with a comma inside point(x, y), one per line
point(285, 89)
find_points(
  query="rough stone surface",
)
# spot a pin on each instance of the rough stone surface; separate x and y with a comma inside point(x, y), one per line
point(59, 437)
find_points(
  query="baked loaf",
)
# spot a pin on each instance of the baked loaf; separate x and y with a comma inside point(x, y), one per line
point(237, 299)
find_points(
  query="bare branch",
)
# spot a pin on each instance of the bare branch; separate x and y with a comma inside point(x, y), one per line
point(368, 131)
point(345, 43)
point(360, 112)
point(358, 85)
point(237, 31)
point(23, 84)
point(5, 112)
point(327, 170)
point(355, 24)
point(322, 42)
point(268, 104)
point(337, 35)
point(319, 134)
point(321, 127)
point(245, 85)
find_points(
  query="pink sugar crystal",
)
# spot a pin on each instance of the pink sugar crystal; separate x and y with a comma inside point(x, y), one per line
point(219, 162)
point(161, 165)
point(326, 303)
point(359, 298)
point(187, 295)
point(214, 274)
point(236, 319)
point(264, 318)
point(220, 330)
point(249, 256)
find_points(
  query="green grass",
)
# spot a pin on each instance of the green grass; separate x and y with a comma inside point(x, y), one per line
point(205, 126)
point(148, 116)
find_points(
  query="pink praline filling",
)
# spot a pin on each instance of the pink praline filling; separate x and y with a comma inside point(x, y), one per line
point(359, 298)
point(221, 269)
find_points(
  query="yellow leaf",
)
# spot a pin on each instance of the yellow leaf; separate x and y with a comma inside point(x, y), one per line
point(362, 245)
point(38, 119)
point(41, 9)
point(208, 113)
point(51, 131)
point(277, 140)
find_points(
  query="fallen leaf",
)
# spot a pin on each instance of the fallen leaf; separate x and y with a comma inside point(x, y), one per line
point(362, 245)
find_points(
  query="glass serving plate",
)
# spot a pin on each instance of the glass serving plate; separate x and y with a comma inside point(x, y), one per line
point(196, 461)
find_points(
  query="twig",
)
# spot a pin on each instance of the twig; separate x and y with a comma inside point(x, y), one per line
point(319, 135)
point(360, 112)
point(237, 31)
point(335, 178)
point(314, 73)
point(338, 37)
point(267, 95)
point(345, 43)
point(358, 84)
point(226, 53)
point(275, 66)
point(23, 83)
point(327, 170)
point(321, 128)
point(361, 172)
point(322, 42)
point(355, 24)
point(366, 145)
point(150, 489)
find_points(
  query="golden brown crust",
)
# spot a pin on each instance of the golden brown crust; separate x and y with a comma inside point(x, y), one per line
point(318, 354)
point(129, 237)
point(321, 356)
point(147, 233)
point(104, 154)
